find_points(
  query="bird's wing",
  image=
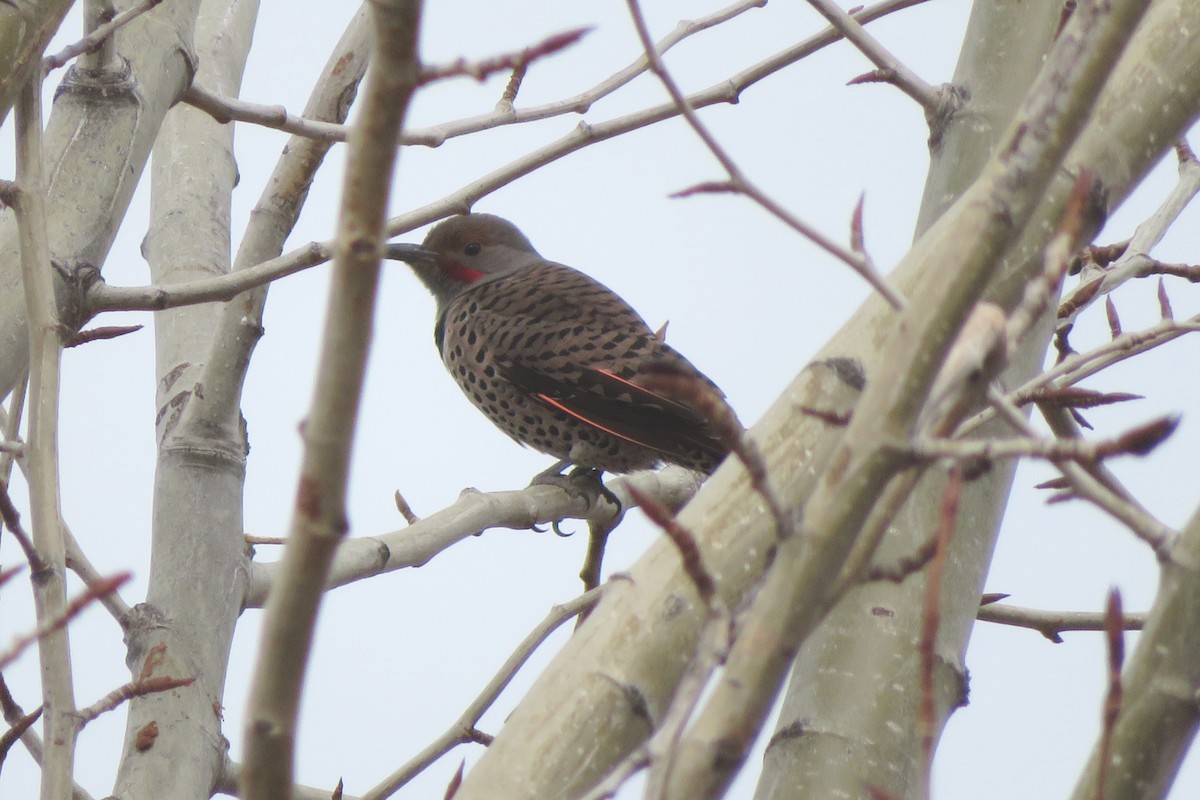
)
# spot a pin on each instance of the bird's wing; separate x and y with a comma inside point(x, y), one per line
point(576, 346)
point(621, 408)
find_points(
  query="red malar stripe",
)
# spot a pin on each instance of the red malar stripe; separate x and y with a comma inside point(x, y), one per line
point(460, 273)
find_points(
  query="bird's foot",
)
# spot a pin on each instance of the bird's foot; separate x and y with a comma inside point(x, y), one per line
point(552, 476)
point(585, 482)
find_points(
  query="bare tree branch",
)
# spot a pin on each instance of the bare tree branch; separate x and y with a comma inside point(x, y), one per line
point(319, 517)
point(1135, 261)
point(901, 76)
point(474, 512)
point(98, 35)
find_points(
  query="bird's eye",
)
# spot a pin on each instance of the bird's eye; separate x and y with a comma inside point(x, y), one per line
point(472, 249)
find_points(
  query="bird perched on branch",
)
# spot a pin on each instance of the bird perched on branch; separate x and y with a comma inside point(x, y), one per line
point(553, 358)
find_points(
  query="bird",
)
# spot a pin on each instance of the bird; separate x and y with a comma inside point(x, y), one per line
point(554, 358)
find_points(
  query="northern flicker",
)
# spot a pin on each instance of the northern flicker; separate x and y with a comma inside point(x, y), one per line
point(551, 356)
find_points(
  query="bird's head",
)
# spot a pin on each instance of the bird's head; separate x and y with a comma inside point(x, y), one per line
point(464, 250)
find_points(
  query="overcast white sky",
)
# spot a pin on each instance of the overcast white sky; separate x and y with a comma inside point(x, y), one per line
point(397, 657)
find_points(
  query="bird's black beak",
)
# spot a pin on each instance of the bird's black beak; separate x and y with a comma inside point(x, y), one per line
point(409, 253)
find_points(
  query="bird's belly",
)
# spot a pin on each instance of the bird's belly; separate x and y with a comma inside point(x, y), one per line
point(534, 423)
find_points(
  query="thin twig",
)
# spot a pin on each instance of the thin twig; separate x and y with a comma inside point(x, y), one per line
point(912, 563)
point(102, 297)
point(1134, 261)
point(1139, 441)
point(231, 109)
point(225, 109)
point(41, 457)
point(104, 332)
point(931, 616)
point(1056, 260)
point(16, 731)
point(138, 688)
point(230, 779)
point(78, 562)
point(405, 509)
point(707, 401)
point(738, 181)
point(520, 59)
point(11, 425)
point(11, 519)
point(593, 560)
point(629, 766)
point(1080, 366)
point(685, 544)
point(712, 650)
point(1115, 641)
point(9, 573)
point(98, 36)
point(1122, 507)
point(463, 729)
point(1052, 624)
point(13, 714)
point(898, 75)
point(81, 601)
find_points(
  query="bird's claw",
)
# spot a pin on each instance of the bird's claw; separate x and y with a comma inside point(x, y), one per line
point(585, 482)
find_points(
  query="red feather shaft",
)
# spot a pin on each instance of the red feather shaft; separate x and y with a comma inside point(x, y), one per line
point(545, 398)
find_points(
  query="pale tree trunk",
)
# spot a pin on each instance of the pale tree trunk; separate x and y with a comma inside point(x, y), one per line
point(25, 30)
point(203, 352)
point(854, 697)
point(92, 152)
point(97, 141)
point(184, 628)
